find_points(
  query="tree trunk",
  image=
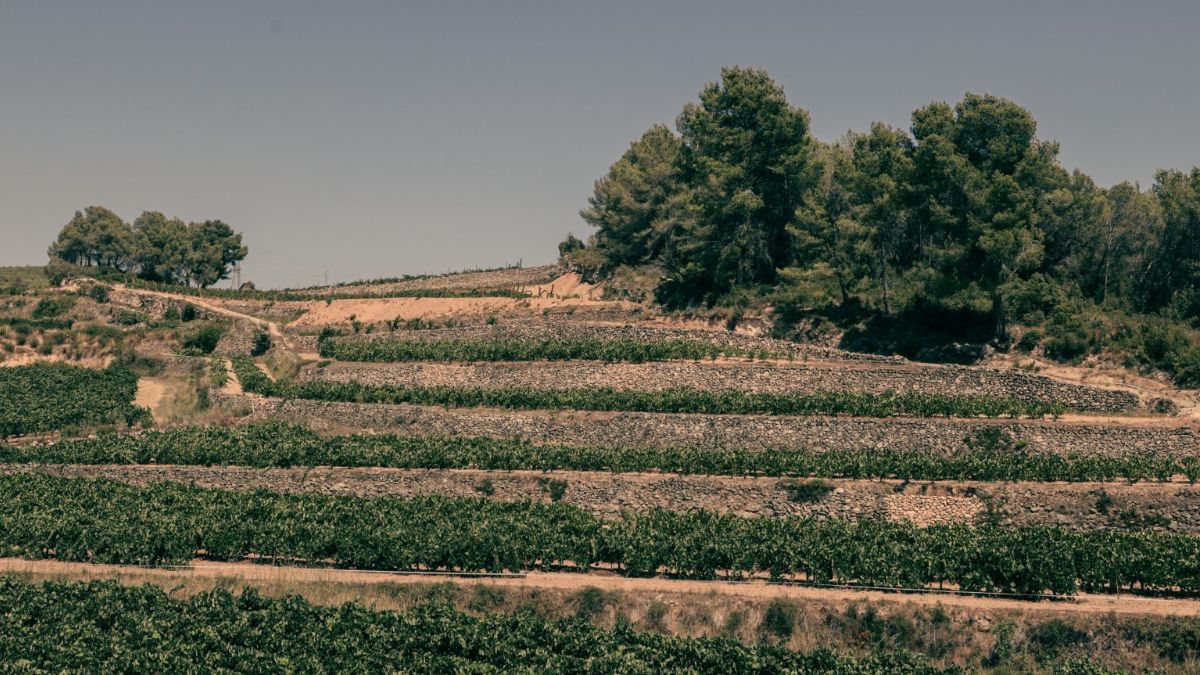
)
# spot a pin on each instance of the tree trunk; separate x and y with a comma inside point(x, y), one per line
point(999, 326)
point(887, 299)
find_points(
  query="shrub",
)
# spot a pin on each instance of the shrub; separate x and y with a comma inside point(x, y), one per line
point(125, 317)
point(204, 339)
point(1051, 637)
point(262, 343)
point(98, 293)
point(53, 306)
point(779, 620)
point(589, 602)
point(188, 313)
point(1029, 341)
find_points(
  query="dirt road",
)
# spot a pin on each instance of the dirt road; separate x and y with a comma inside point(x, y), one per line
point(249, 573)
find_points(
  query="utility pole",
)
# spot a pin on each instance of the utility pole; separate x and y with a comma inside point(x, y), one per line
point(326, 277)
point(237, 276)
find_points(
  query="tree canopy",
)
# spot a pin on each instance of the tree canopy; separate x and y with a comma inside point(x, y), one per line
point(155, 248)
point(967, 210)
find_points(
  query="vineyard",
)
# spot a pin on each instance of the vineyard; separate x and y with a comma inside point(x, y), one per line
point(278, 445)
point(49, 397)
point(109, 522)
point(102, 627)
point(675, 400)
point(753, 475)
point(631, 351)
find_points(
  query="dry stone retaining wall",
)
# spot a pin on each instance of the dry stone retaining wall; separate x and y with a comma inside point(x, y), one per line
point(1174, 507)
point(774, 378)
point(746, 432)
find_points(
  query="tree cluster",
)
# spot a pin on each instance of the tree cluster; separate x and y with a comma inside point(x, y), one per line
point(967, 209)
point(154, 248)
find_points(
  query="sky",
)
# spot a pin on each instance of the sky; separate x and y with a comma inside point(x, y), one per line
point(374, 139)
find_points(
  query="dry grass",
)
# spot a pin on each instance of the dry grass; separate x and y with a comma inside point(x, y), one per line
point(955, 635)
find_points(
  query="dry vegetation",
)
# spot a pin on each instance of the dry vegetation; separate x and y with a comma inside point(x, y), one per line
point(180, 349)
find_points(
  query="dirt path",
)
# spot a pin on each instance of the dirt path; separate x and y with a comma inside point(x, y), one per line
point(278, 337)
point(249, 572)
point(1190, 416)
point(150, 392)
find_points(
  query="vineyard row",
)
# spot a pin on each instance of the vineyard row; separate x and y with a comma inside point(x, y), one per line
point(102, 626)
point(279, 445)
point(552, 349)
point(49, 397)
point(109, 522)
point(675, 400)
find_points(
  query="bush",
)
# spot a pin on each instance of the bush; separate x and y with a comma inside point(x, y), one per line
point(1051, 637)
point(779, 621)
point(1036, 296)
point(125, 317)
point(53, 306)
point(262, 343)
point(1185, 366)
point(1071, 337)
point(188, 313)
point(590, 602)
point(203, 339)
point(98, 293)
point(1029, 341)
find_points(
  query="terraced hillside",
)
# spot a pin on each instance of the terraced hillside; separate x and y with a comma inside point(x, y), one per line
point(593, 453)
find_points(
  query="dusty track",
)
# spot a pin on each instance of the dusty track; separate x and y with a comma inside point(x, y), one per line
point(254, 573)
point(277, 336)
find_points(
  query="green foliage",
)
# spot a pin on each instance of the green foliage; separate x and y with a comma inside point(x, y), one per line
point(634, 351)
point(52, 306)
point(217, 631)
point(98, 292)
point(630, 206)
point(49, 397)
point(217, 374)
point(1051, 637)
point(203, 339)
point(125, 317)
point(154, 248)
point(262, 343)
point(779, 619)
point(589, 602)
point(675, 400)
point(275, 445)
point(16, 280)
point(967, 210)
point(111, 522)
point(1030, 340)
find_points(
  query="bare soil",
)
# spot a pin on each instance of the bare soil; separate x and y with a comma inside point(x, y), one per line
point(247, 572)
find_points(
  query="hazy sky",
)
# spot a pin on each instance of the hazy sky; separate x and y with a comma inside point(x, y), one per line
point(381, 138)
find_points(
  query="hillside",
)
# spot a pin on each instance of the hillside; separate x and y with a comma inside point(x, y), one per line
point(588, 446)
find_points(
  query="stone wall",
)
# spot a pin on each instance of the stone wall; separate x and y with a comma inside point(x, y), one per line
point(774, 378)
point(1174, 507)
point(153, 306)
point(746, 432)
